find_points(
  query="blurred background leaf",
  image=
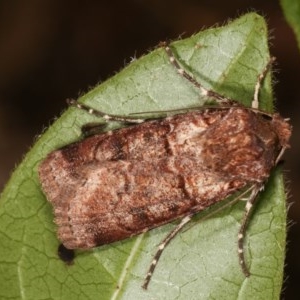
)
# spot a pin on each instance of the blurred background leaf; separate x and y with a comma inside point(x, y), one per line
point(291, 10)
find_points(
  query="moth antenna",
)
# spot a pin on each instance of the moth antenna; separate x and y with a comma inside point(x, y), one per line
point(106, 117)
point(259, 81)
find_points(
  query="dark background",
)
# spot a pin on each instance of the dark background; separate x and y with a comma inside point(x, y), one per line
point(52, 50)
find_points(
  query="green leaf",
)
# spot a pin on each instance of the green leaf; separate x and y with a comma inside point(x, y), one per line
point(200, 263)
point(291, 10)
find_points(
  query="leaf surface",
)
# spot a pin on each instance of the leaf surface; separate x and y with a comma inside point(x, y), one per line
point(200, 263)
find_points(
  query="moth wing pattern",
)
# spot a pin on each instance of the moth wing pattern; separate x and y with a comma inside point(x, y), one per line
point(165, 182)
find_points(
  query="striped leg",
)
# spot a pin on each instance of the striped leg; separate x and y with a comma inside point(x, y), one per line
point(203, 91)
point(248, 210)
point(161, 248)
point(106, 117)
point(260, 79)
point(209, 93)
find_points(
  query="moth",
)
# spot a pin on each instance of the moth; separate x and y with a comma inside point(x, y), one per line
point(118, 184)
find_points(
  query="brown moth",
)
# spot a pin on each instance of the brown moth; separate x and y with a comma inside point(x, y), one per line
point(117, 184)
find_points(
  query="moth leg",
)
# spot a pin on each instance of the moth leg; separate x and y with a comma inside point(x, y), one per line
point(106, 117)
point(203, 91)
point(162, 246)
point(259, 81)
point(248, 210)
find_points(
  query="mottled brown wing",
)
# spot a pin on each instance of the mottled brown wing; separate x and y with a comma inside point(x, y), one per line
point(118, 184)
point(115, 200)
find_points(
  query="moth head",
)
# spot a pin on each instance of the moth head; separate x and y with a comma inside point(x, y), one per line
point(283, 130)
